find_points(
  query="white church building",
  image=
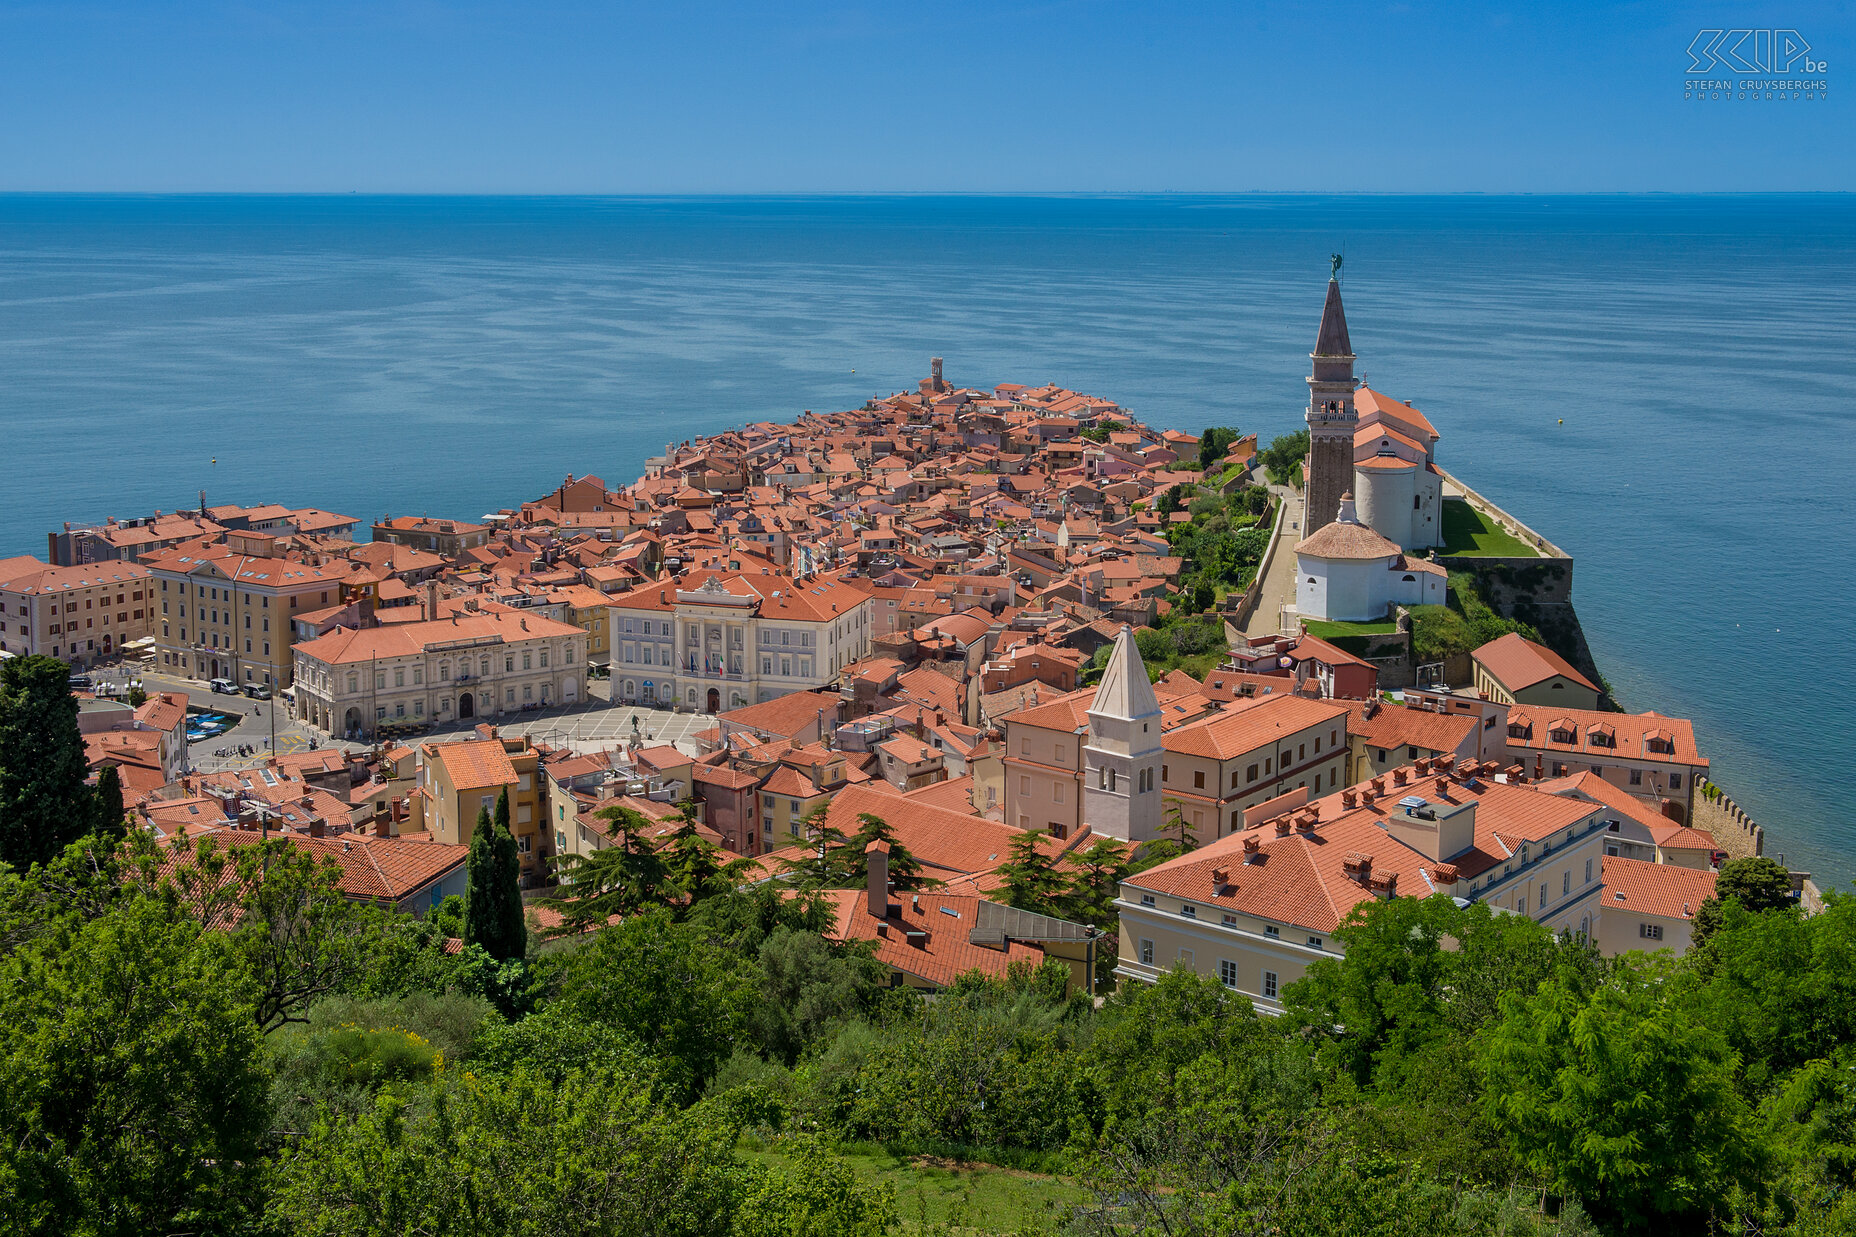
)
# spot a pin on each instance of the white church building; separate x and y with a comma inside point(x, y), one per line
point(1356, 563)
point(1347, 572)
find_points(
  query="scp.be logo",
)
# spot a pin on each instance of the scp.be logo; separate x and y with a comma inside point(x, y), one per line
point(1752, 51)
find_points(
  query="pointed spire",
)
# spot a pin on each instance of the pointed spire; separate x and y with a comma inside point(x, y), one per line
point(1333, 341)
point(1125, 692)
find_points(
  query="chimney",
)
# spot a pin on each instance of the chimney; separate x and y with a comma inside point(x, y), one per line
point(1221, 877)
point(876, 859)
point(1253, 846)
point(431, 599)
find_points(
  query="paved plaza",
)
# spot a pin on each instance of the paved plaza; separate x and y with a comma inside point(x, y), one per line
point(592, 725)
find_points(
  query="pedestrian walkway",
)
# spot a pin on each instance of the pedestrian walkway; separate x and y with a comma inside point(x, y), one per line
point(1278, 588)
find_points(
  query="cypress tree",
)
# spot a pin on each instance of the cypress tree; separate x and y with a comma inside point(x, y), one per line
point(493, 900)
point(44, 803)
point(108, 821)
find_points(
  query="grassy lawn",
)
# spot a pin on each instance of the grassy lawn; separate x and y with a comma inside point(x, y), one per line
point(1336, 630)
point(969, 1198)
point(1467, 531)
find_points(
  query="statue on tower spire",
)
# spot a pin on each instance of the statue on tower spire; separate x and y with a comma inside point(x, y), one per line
point(1334, 261)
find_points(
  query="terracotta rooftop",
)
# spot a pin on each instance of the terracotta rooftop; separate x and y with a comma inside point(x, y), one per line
point(1660, 889)
point(1518, 663)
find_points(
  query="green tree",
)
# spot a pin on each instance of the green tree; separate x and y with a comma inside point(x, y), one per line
point(1213, 444)
point(666, 985)
point(1621, 1098)
point(1032, 880)
point(1096, 874)
point(1282, 459)
point(1148, 1033)
point(826, 852)
point(1780, 986)
point(816, 1195)
point(616, 879)
point(109, 820)
point(1755, 883)
point(514, 1156)
point(132, 1084)
point(44, 803)
point(808, 985)
point(493, 914)
point(283, 915)
point(905, 870)
point(693, 865)
point(1419, 976)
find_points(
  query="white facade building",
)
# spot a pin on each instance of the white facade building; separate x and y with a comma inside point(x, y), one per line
point(1347, 572)
point(467, 666)
point(715, 641)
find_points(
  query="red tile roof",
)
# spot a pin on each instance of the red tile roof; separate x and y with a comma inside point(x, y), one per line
point(1245, 726)
point(475, 764)
point(1631, 732)
point(1517, 663)
point(941, 951)
point(1660, 889)
point(1393, 726)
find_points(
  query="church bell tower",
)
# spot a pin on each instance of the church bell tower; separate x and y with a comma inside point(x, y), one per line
point(1331, 415)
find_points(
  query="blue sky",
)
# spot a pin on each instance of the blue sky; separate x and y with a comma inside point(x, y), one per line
point(996, 96)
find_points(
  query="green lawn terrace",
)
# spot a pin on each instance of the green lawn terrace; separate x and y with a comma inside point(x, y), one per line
point(1333, 630)
point(1470, 533)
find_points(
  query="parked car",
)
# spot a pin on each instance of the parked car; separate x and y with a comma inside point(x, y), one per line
point(257, 691)
point(223, 687)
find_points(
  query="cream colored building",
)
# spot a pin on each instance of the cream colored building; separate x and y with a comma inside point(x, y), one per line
point(1255, 908)
point(1254, 751)
point(471, 665)
point(715, 641)
point(1043, 764)
point(79, 614)
point(1651, 906)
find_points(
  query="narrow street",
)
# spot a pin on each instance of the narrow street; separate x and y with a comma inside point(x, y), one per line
point(1279, 585)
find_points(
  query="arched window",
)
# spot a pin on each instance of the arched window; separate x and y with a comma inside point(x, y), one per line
point(1311, 579)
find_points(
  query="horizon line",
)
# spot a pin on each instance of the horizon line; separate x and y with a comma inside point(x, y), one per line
point(670, 194)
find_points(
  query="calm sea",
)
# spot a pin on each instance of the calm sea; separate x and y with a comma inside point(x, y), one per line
point(1663, 385)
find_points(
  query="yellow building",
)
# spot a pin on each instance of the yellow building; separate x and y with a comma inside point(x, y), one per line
point(590, 611)
point(456, 781)
point(225, 610)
